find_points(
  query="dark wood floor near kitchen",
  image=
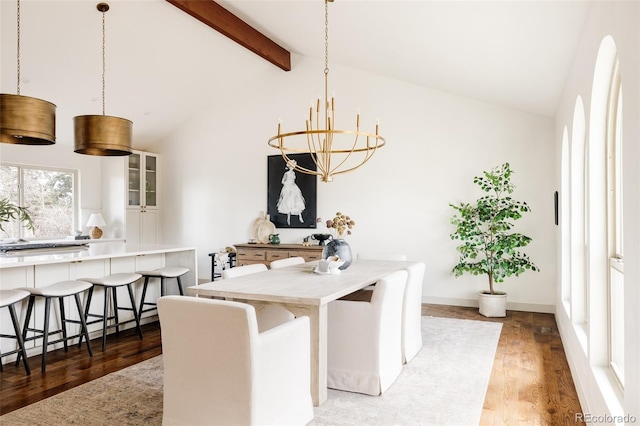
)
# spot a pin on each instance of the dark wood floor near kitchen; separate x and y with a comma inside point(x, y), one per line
point(530, 382)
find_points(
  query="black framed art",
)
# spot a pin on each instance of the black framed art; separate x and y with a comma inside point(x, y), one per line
point(291, 195)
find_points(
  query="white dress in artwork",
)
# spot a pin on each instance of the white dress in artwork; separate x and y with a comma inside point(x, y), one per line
point(291, 201)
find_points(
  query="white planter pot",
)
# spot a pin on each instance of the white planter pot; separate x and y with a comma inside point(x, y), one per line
point(492, 305)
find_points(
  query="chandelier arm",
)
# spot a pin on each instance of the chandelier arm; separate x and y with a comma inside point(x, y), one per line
point(320, 165)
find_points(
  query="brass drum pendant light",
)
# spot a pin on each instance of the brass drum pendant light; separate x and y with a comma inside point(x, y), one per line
point(348, 151)
point(101, 134)
point(25, 120)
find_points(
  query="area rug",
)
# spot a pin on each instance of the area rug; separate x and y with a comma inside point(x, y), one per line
point(445, 384)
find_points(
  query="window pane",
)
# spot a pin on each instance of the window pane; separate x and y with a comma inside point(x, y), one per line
point(617, 322)
point(49, 196)
point(9, 190)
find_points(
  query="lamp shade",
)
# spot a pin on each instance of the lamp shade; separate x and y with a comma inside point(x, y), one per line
point(102, 135)
point(27, 121)
point(96, 219)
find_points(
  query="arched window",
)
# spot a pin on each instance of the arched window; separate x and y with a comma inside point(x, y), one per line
point(605, 272)
point(578, 219)
point(565, 222)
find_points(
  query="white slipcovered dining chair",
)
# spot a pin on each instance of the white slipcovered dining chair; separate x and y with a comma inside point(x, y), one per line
point(281, 263)
point(412, 305)
point(412, 312)
point(364, 338)
point(219, 370)
point(243, 270)
point(268, 315)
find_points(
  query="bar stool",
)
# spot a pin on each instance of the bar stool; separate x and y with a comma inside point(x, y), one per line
point(8, 299)
point(162, 273)
point(58, 291)
point(110, 283)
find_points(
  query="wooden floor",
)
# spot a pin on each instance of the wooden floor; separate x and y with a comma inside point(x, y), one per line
point(530, 382)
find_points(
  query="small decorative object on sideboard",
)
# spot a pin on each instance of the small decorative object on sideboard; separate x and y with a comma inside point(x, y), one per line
point(321, 238)
point(342, 225)
point(274, 239)
point(262, 228)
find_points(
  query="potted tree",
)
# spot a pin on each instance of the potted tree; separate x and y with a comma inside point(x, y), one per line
point(488, 245)
point(10, 211)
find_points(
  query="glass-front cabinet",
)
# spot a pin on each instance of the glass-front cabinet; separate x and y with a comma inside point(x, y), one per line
point(142, 180)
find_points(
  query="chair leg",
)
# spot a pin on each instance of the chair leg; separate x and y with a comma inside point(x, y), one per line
point(133, 308)
point(86, 313)
point(115, 309)
point(63, 321)
point(84, 331)
point(180, 286)
point(105, 319)
point(45, 333)
point(26, 325)
point(162, 286)
point(144, 294)
point(16, 328)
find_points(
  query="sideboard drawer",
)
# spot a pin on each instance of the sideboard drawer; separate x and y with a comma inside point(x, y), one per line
point(253, 254)
point(307, 255)
point(277, 254)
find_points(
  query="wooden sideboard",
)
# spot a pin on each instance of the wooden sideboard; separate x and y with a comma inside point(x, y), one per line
point(248, 254)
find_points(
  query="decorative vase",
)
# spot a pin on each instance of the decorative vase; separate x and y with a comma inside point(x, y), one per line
point(340, 248)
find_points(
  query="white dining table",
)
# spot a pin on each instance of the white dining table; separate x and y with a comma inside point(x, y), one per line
point(304, 293)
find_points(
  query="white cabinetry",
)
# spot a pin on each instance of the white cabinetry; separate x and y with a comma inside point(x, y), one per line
point(142, 198)
point(131, 199)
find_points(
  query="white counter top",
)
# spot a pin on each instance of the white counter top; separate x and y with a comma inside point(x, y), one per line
point(90, 252)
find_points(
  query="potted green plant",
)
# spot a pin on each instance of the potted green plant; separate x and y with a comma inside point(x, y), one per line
point(488, 244)
point(10, 211)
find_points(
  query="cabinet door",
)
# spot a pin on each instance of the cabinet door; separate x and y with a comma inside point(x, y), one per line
point(134, 180)
point(132, 234)
point(149, 227)
point(150, 181)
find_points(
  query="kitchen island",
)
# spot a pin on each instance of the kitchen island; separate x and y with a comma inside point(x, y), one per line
point(24, 268)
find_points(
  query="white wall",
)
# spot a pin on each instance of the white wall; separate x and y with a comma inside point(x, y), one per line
point(621, 20)
point(215, 172)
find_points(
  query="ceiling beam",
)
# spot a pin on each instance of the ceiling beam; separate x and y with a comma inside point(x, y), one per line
point(225, 22)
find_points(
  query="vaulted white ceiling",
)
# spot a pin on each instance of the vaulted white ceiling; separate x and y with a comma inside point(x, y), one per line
point(511, 53)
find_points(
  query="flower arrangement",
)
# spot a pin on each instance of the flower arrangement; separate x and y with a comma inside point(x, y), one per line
point(341, 224)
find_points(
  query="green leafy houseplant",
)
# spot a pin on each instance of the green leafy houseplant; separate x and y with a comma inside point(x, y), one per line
point(484, 229)
point(10, 211)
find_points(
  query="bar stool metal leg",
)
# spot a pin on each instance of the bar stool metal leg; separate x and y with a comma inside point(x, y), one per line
point(9, 299)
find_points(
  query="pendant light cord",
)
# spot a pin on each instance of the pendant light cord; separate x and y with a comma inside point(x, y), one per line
point(104, 61)
point(18, 37)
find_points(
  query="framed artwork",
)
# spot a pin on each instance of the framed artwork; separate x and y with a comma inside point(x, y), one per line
point(291, 195)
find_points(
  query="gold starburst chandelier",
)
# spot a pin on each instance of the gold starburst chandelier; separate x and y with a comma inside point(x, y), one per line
point(333, 151)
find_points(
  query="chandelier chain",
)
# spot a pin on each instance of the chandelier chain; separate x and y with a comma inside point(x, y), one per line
point(18, 54)
point(104, 60)
point(326, 37)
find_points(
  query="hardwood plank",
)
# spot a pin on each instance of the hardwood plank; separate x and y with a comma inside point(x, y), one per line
point(225, 22)
point(530, 382)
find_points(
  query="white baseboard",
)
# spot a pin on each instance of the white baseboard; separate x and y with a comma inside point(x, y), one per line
point(511, 306)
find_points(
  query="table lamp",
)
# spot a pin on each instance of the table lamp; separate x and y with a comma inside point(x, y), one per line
point(96, 221)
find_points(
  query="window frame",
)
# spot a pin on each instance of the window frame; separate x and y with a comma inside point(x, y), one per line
point(21, 197)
